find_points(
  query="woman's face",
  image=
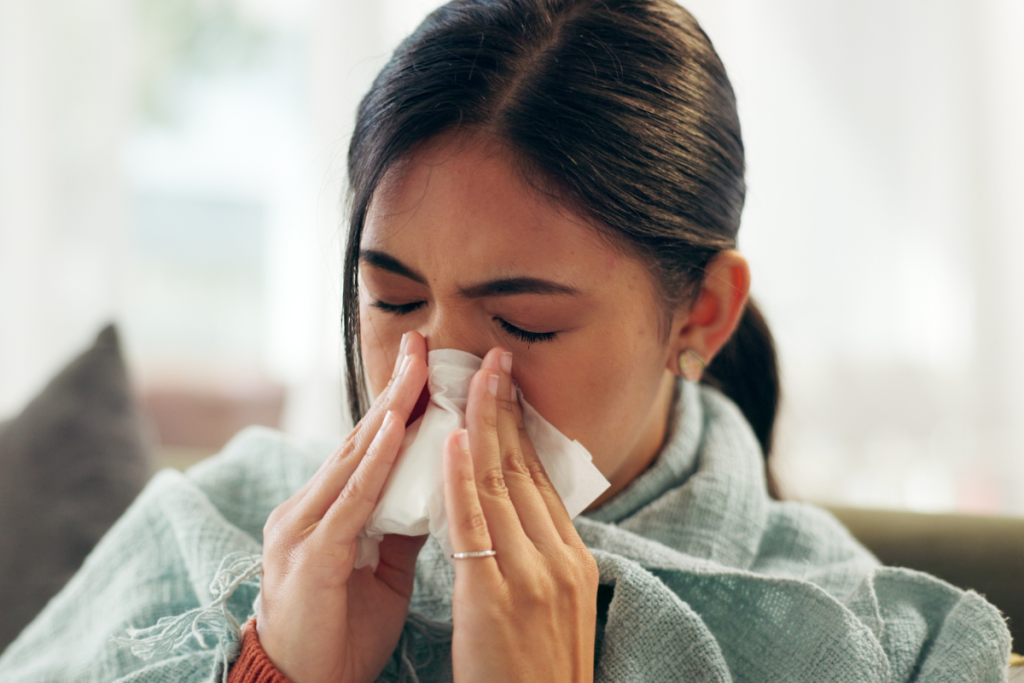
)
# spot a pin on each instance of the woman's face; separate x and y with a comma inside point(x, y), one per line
point(459, 248)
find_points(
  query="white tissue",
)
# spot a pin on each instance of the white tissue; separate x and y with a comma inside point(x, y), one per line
point(412, 502)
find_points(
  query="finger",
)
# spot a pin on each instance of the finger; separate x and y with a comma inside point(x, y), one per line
point(467, 526)
point(412, 344)
point(559, 516)
point(372, 413)
point(341, 452)
point(481, 423)
point(350, 510)
point(396, 365)
point(530, 506)
point(397, 565)
point(399, 398)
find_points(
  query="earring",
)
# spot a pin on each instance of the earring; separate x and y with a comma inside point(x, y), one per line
point(691, 365)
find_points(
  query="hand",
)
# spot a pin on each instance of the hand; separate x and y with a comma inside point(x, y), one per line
point(529, 612)
point(320, 620)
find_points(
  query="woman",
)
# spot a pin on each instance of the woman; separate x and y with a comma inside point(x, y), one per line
point(556, 186)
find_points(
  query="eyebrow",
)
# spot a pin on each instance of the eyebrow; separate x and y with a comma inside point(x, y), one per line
point(379, 259)
point(500, 287)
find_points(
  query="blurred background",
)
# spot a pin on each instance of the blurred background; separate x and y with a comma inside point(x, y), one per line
point(178, 166)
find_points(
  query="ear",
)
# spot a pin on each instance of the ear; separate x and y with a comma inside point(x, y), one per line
point(710, 321)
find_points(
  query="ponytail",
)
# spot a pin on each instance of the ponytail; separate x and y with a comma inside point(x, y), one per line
point(746, 370)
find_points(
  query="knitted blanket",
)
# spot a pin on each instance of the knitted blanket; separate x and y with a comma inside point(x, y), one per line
point(704, 578)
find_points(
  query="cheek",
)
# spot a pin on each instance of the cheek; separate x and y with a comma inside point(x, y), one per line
point(599, 392)
point(379, 350)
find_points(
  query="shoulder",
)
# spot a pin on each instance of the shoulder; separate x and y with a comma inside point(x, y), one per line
point(801, 533)
point(255, 472)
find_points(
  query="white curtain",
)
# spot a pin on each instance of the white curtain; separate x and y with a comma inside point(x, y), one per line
point(65, 104)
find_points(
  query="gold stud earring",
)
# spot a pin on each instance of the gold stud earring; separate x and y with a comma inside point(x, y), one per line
point(691, 365)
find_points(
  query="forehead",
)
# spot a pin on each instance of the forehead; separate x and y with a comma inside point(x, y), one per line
point(461, 205)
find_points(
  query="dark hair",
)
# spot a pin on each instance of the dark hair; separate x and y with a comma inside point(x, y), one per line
point(622, 104)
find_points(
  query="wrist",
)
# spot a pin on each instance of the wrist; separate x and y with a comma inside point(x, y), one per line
point(252, 664)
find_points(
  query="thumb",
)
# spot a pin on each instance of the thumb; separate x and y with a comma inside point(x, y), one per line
point(397, 566)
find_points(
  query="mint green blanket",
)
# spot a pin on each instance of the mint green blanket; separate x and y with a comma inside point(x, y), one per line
point(704, 579)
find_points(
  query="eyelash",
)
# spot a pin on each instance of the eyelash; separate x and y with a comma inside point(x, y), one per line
point(511, 330)
point(397, 309)
point(523, 335)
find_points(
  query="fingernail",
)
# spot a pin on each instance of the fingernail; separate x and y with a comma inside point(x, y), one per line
point(492, 384)
point(406, 361)
point(405, 342)
point(462, 438)
point(506, 361)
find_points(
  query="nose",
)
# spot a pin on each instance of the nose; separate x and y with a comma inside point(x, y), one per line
point(451, 330)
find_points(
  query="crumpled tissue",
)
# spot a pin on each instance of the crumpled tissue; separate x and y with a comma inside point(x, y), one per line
point(412, 502)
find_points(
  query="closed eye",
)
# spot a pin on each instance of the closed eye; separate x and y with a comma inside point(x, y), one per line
point(523, 335)
point(513, 331)
point(398, 309)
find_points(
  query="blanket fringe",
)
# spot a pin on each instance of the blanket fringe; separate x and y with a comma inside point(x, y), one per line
point(433, 633)
point(170, 633)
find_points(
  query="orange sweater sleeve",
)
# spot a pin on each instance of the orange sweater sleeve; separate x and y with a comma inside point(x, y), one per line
point(252, 665)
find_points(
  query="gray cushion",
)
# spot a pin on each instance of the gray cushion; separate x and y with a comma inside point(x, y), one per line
point(70, 464)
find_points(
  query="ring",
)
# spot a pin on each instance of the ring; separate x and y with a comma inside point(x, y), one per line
point(477, 553)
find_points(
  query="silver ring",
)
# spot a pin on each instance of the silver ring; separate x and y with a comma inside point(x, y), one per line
point(476, 553)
